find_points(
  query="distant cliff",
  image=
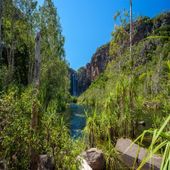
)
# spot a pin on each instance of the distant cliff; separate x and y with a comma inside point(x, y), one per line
point(86, 75)
point(146, 73)
point(143, 27)
point(91, 71)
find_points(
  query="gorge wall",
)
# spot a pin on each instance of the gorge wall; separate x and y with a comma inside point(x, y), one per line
point(143, 27)
point(86, 75)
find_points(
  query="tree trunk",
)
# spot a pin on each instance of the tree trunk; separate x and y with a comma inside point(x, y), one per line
point(34, 119)
point(31, 63)
point(131, 59)
point(37, 60)
point(1, 47)
point(11, 46)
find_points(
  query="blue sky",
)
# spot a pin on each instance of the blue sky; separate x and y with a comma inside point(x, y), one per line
point(87, 24)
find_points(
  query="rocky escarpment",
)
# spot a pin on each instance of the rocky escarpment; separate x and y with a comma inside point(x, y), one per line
point(82, 79)
point(146, 26)
point(96, 66)
point(143, 27)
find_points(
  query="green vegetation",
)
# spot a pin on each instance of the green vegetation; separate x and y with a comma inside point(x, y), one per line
point(33, 117)
point(128, 93)
point(19, 99)
point(163, 146)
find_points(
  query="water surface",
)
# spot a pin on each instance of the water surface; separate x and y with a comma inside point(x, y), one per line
point(77, 120)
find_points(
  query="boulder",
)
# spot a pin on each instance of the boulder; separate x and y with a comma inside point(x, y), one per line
point(83, 164)
point(3, 165)
point(131, 153)
point(95, 158)
point(45, 163)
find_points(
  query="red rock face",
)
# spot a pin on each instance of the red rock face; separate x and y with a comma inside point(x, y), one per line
point(99, 61)
point(142, 28)
point(92, 70)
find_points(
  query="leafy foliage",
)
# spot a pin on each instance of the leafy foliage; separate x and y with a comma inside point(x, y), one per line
point(21, 20)
point(118, 99)
point(127, 94)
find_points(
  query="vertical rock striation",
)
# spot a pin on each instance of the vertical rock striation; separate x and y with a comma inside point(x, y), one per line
point(86, 75)
point(82, 79)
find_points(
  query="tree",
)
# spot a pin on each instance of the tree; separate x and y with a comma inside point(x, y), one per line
point(131, 59)
point(24, 128)
point(51, 30)
point(1, 10)
point(18, 40)
point(54, 86)
point(12, 21)
point(120, 35)
point(28, 9)
point(124, 23)
point(35, 108)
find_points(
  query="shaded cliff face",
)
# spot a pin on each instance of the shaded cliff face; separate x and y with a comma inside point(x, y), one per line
point(86, 75)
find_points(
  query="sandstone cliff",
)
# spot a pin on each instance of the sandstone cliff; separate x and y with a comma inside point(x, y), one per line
point(85, 75)
point(91, 71)
point(143, 27)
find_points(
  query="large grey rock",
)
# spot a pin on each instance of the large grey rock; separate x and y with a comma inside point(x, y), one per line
point(45, 163)
point(95, 158)
point(131, 153)
point(3, 165)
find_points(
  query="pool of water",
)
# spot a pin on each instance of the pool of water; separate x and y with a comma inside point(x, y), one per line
point(77, 120)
